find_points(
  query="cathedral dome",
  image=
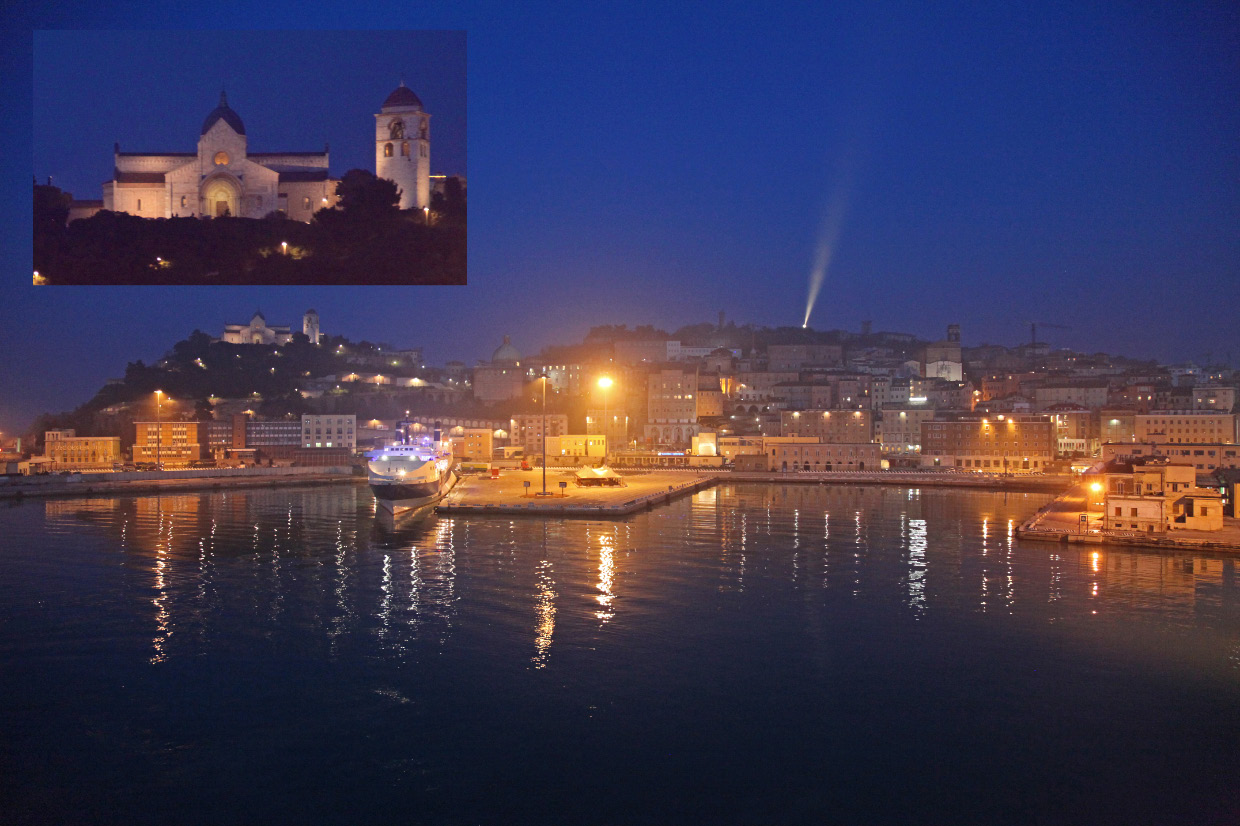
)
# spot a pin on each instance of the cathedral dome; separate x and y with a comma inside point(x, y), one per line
point(506, 353)
point(225, 113)
point(403, 96)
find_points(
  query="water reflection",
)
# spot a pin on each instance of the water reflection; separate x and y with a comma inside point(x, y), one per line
point(544, 612)
point(917, 544)
point(162, 546)
point(606, 576)
point(314, 567)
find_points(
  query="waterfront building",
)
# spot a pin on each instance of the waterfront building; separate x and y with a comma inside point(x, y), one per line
point(170, 443)
point(474, 444)
point(329, 430)
point(526, 430)
point(1205, 456)
point(1004, 444)
point(706, 443)
point(65, 450)
point(730, 447)
point(1157, 497)
point(830, 426)
point(899, 430)
point(810, 454)
point(572, 448)
point(246, 439)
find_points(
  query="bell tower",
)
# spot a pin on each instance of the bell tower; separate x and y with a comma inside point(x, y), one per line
point(403, 147)
point(310, 326)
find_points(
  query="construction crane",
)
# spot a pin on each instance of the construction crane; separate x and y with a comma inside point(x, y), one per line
point(1033, 329)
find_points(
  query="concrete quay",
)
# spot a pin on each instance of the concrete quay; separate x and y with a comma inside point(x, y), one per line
point(147, 482)
point(508, 494)
point(1060, 521)
point(911, 478)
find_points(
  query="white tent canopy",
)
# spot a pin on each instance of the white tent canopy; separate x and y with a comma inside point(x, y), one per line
point(598, 476)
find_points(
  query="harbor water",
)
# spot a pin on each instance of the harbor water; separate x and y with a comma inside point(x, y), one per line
point(751, 653)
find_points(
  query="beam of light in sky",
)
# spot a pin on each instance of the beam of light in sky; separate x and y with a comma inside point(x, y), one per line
point(828, 238)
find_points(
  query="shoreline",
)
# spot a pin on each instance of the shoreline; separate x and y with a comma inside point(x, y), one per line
point(643, 491)
point(106, 484)
point(483, 496)
point(20, 488)
point(1034, 528)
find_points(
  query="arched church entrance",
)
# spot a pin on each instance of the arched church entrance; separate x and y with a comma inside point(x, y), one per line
point(221, 197)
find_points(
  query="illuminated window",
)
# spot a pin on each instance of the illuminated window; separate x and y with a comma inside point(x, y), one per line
point(404, 149)
point(182, 201)
point(306, 203)
point(221, 158)
point(387, 150)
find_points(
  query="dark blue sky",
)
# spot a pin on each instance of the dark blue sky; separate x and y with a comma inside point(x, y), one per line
point(281, 84)
point(991, 163)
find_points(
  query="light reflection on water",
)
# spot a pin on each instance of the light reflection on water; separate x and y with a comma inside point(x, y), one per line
point(696, 600)
point(255, 557)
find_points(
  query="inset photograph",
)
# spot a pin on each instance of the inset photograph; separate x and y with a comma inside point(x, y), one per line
point(216, 157)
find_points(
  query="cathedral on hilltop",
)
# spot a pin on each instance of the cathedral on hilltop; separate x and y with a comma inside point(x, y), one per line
point(223, 178)
point(258, 331)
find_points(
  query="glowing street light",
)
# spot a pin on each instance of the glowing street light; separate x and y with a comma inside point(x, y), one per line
point(544, 433)
point(284, 247)
point(604, 384)
point(159, 430)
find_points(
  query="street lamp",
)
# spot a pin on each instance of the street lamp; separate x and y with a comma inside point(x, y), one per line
point(284, 247)
point(159, 429)
point(604, 384)
point(544, 434)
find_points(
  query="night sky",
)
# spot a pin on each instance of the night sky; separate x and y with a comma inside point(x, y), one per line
point(986, 164)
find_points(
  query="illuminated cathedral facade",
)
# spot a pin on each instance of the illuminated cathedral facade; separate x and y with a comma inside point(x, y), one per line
point(223, 178)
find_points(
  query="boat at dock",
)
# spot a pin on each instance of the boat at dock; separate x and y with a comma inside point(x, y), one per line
point(413, 472)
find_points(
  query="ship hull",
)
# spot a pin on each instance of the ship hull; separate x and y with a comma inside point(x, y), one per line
point(400, 495)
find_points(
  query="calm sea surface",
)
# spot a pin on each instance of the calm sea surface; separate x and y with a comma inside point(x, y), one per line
point(753, 654)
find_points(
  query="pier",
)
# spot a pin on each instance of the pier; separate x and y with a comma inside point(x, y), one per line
point(145, 482)
point(516, 492)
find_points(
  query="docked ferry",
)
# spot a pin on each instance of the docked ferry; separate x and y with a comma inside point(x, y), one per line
point(412, 472)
